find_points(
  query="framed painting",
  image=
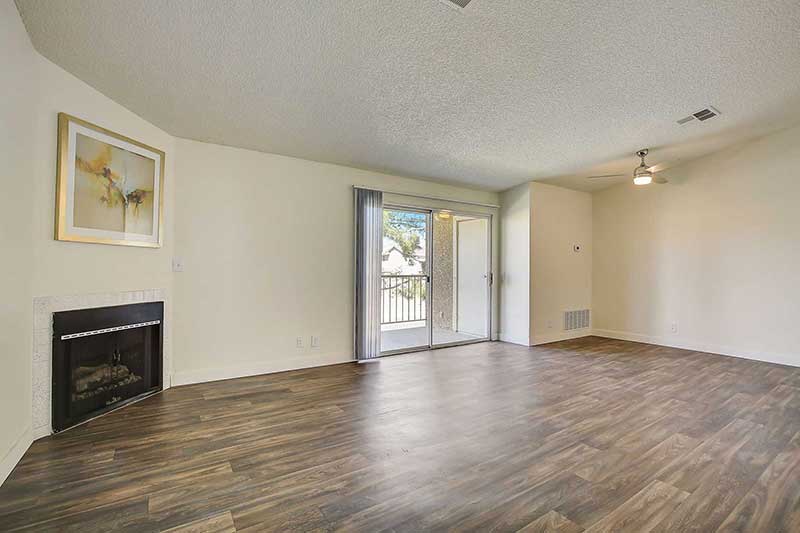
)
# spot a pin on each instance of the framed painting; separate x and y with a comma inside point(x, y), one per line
point(110, 188)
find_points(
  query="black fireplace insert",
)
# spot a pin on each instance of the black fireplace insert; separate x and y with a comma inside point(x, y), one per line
point(104, 358)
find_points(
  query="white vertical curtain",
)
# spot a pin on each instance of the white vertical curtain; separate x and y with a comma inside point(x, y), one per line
point(369, 247)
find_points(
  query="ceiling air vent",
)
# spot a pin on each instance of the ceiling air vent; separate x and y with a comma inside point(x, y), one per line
point(702, 115)
point(460, 3)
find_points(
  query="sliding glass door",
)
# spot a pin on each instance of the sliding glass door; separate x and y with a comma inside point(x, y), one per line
point(435, 279)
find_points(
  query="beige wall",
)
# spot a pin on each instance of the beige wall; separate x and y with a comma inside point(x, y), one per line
point(76, 268)
point(515, 280)
point(542, 275)
point(561, 279)
point(17, 104)
point(716, 252)
point(267, 243)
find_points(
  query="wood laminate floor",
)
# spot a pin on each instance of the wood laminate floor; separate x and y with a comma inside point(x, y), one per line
point(585, 435)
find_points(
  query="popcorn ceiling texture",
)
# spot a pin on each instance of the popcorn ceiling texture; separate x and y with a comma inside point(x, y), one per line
point(493, 95)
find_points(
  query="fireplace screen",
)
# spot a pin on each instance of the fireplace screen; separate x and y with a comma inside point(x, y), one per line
point(106, 368)
point(99, 369)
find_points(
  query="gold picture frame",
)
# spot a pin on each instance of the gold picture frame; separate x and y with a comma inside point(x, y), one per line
point(109, 188)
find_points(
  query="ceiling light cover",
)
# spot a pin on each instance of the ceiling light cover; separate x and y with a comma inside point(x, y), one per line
point(642, 174)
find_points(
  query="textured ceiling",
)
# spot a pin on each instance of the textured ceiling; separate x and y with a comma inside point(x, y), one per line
point(493, 95)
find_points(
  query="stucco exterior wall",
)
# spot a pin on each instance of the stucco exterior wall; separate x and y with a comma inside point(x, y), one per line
point(443, 272)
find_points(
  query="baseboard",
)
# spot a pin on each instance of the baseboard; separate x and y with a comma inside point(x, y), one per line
point(206, 375)
point(696, 346)
point(559, 336)
point(513, 340)
point(44, 431)
point(16, 452)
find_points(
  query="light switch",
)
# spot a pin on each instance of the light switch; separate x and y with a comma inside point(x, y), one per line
point(177, 264)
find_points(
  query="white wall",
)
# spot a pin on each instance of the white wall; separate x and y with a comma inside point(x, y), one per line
point(17, 104)
point(715, 251)
point(267, 243)
point(561, 279)
point(515, 279)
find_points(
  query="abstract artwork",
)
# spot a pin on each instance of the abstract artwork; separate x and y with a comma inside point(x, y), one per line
point(110, 187)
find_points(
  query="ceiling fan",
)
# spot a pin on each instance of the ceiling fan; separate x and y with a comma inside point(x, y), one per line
point(642, 175)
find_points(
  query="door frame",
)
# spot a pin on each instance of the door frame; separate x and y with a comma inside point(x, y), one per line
point(490, 276)
point(429, 256)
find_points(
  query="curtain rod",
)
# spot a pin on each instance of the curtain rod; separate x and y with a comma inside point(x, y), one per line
point(438, 198)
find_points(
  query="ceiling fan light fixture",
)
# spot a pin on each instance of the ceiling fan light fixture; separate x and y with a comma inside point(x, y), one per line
point(641, 174)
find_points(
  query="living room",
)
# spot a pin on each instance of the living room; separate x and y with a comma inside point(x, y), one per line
point(419, 266)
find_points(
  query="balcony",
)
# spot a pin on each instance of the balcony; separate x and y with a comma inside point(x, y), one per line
point(403, 299)
point(404, 315)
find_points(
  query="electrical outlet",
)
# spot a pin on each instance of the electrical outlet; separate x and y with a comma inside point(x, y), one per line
point(674, 327)
point(549, 324)
point(314, 342)
point(299, 342)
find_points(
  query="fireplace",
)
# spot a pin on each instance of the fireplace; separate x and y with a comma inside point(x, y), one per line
point(104, 358)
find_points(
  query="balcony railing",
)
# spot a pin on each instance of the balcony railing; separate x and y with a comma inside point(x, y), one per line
point(403, 298)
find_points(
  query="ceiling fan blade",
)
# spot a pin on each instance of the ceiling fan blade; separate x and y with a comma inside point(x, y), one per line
point(605, 176)
point(660, 179)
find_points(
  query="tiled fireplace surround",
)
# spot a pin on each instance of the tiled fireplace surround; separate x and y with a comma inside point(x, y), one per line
point(43, 309)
